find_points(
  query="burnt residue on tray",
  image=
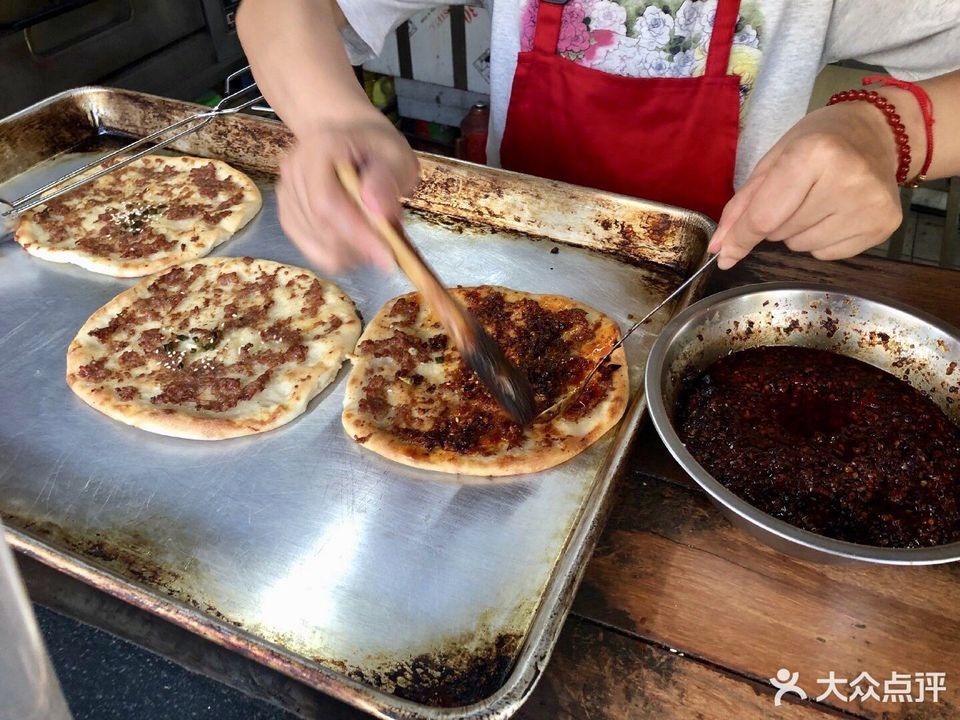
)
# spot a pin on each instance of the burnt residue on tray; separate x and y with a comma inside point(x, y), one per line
point(255, 143)
point(459, 225)
point(34, 137)
point(451, 677)
point(126, 553)
point(636, 233)
point(827, 443)
point(460, 671)
point(129, 553)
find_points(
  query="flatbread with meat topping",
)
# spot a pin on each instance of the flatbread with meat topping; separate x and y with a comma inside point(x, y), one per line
point(411, 398)
point(152, 214)
point(213, 348)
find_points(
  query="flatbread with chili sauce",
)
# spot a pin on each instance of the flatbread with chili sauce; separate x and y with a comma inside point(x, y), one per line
point(411, 398)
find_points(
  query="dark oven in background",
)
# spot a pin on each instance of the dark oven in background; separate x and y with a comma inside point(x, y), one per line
point(176, 48)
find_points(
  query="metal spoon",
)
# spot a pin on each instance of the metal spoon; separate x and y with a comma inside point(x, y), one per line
point(561, 405)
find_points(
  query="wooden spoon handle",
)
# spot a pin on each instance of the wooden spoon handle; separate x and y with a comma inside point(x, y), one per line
point(509, 387)
point(450, 314)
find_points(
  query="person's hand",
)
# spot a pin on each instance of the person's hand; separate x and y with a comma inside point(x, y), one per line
point(827, 187)
point(315, 211)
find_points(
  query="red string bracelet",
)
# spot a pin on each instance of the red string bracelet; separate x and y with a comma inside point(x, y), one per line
point(926, 109)
point(893, 120)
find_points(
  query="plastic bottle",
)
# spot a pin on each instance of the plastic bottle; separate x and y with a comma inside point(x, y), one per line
point(473, 134)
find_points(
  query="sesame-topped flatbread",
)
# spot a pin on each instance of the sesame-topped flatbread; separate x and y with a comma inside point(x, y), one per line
point(411, 398)
point(213, 348)
point(139, 219)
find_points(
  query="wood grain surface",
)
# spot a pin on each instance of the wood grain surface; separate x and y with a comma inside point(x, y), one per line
point(931, 289)
point(670, 569)
point(602, 674)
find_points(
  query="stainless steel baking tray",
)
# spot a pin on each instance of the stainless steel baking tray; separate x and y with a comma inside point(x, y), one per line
point(405, 593)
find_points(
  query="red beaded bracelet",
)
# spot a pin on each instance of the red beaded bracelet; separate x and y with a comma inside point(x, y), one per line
point(893, 120)
point(926, 110)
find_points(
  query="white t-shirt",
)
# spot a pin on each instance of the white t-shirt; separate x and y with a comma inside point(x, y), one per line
point(779, 47)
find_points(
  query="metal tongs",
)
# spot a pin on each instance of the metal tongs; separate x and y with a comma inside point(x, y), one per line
point(561, 405)
point(233, 103)
point(508, 385)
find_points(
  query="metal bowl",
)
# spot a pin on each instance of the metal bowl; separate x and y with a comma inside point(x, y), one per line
point(914, 346)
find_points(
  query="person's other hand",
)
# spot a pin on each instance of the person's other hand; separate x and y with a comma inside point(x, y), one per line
point(315, 211)
point(828, 187)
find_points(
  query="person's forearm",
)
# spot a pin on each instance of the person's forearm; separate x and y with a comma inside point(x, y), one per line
point(298, 60)
point(944, 92)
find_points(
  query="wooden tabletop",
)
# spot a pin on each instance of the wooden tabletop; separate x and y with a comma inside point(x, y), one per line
point(680, 615)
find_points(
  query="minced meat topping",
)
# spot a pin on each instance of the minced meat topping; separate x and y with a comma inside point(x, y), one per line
point(130, 228)
point(181, 338)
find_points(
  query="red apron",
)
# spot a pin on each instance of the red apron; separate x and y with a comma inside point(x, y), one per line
point(668, 139)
